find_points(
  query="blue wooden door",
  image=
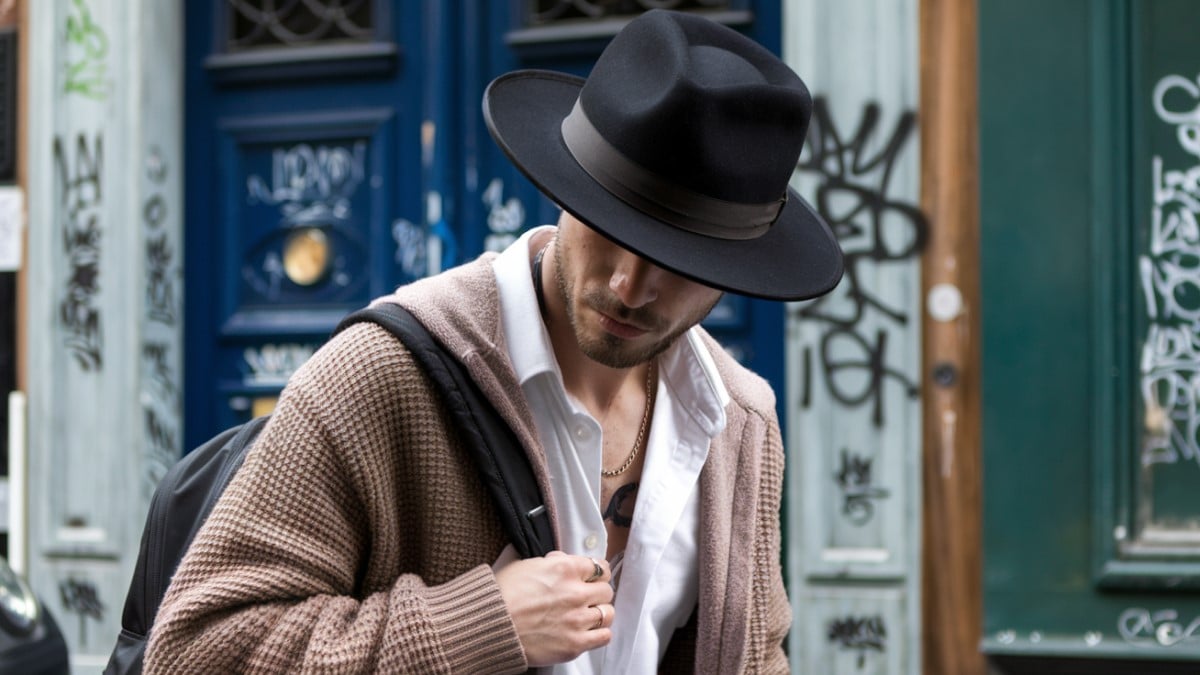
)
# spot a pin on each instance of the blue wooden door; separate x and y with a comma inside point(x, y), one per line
point(304, 182)
point(336, 149)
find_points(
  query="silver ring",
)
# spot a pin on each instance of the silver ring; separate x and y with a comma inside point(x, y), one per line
point(600, 620)
point(597, 571)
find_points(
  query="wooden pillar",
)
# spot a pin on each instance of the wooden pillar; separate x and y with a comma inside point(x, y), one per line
point(952, 540)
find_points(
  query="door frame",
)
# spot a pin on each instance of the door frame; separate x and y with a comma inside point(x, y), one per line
point(951, 598)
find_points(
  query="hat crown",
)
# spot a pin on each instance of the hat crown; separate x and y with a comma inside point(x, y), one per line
point(700, 105)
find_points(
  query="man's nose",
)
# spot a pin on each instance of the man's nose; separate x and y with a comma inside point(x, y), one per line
point(635, 280)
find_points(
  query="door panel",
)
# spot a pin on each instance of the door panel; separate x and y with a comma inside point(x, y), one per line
point(304, 236)
point(854, 364)
point(1162, 516)
point(1089, 276)
point(304, 186)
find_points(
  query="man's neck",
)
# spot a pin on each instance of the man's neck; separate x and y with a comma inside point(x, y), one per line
point(593, 384)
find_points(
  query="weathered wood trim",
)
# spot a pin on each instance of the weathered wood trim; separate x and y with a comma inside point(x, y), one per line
point(952, 539)
point(23, 68)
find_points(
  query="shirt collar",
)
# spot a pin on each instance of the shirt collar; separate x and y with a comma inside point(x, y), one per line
point(525, 332)
point(690, 370)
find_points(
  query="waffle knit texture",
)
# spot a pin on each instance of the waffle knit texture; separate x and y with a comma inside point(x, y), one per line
point(357, 537)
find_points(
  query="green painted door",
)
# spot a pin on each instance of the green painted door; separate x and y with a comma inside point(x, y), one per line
point(1090, 271)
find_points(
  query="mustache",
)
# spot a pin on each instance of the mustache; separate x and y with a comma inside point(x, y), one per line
point(641, 317)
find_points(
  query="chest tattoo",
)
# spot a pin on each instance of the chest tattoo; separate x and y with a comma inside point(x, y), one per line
point(620, 506)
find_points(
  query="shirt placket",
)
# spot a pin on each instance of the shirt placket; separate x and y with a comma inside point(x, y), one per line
point(655, 520)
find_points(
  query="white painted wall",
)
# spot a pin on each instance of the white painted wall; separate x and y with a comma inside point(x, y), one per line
point(105, 314)
point(854, 359)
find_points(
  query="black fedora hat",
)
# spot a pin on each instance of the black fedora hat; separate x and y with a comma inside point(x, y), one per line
point(678, 146)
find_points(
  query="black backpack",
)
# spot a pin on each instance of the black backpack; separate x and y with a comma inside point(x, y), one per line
point(186, 495)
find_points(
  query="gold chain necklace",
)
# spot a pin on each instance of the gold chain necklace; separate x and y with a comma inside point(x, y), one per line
point(641, 436)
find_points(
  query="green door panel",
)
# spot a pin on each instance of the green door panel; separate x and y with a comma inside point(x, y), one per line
point(1090, 273)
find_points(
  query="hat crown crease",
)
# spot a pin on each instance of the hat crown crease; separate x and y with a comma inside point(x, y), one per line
point(708, 110)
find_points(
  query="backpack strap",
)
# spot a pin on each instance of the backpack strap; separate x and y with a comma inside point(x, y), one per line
point(502, 462)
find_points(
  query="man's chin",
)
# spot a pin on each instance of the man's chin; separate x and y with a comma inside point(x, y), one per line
point(614, 352)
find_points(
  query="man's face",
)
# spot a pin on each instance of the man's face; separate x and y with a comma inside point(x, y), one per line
point(624, 310)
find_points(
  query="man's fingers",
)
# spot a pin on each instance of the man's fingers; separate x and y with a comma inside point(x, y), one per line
point(603, 618)
point(598, 571)
point(558, 614)
point(588, 569)
point(592, 569)
point(595, 624)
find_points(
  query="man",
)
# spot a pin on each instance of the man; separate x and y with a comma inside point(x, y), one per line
point(357, 536)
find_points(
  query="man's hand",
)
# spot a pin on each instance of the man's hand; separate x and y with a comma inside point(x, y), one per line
point(555, 609)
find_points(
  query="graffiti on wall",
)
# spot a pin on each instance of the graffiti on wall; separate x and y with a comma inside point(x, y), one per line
point(86, 54)
point(273, 364)
point(160, 380)
point(80, 597)
point(861, 635)
point(852, 358)
point(505, 217)
point(429, 249)
point(856, 483)
point(311, 184)
point(161, 262)
point(411, 248)
point(1144, 628)
point(1170, 283)
point(79, 167)
point(313, 187)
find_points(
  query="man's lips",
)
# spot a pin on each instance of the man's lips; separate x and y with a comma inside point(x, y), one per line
point(620, 329)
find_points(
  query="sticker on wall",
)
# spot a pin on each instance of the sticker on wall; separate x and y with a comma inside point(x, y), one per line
point(12, 224)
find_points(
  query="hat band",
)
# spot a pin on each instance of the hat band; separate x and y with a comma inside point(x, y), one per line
point(656, 196)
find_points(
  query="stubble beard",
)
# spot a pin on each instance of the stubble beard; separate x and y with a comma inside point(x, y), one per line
point(608, 349)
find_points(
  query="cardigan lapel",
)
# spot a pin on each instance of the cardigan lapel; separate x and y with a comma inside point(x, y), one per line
point(728, 506)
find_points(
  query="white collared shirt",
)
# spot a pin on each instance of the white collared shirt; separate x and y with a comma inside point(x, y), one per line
point(659, 578)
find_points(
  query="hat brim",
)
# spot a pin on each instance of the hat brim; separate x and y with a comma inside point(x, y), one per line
point(797, 259)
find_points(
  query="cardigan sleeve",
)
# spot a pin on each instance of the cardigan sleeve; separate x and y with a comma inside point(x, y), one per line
point(321, 556)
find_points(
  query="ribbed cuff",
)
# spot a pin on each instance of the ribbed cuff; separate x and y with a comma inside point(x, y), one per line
point(478, 635)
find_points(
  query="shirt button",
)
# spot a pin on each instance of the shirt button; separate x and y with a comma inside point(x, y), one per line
point(590, 541)
point(581, 432)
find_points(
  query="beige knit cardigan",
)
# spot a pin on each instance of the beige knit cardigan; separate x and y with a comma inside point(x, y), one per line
point(357, 537)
